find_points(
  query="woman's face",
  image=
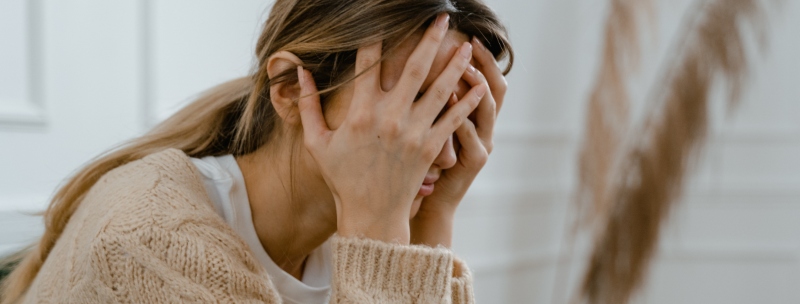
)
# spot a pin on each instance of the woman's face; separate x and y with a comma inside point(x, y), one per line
point(391, 70)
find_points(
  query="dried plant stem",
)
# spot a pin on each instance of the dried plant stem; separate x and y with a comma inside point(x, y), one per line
point(607, 113)
point(650, 180)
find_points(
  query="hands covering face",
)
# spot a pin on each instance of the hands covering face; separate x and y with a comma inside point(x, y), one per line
point(375, 161)
point(433, 223)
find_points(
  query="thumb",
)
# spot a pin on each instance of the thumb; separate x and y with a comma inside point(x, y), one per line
point(314, 125)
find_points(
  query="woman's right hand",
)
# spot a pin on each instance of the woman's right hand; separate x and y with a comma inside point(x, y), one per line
point(376, 160)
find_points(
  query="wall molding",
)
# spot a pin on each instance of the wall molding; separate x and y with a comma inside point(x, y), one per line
point(26, 112)
point(567, 135)
point(695, 254)
point(21, 204)
point(713, 194)
point(508, 262)
point(526, 133)
point(730, 254)
point(31, 111)
point(518, 194)
point(149, 116)
point(18, 230)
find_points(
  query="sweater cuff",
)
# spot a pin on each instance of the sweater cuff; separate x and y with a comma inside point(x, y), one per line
point(366, 269)
point(462, 283)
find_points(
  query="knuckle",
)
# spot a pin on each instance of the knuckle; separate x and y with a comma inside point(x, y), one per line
point(471, 128)
point(429, 152)
point(463, 63)
point(481, 76)
point(362, 119)
point(457, 121)
point(310, 143)
point(411, 144)
point(391, 127)
point(475, 100)
point(365, 61)
point(440, 93)
point(435, 37)
point(489, 147)
point(502, 86)
point(416, 72)
point(416, 144)
point(482, 159)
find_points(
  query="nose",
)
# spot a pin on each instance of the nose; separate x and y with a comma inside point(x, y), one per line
point(447, 157)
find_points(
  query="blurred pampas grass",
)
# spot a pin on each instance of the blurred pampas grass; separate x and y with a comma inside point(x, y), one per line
point(628, 185)
point(607, 116)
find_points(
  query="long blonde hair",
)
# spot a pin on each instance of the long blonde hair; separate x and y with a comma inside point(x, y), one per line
point(237, 117)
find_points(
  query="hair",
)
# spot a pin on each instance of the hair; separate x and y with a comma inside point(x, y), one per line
point(237, 117)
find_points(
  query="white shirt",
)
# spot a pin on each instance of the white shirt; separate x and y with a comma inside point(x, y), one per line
point(225, 186)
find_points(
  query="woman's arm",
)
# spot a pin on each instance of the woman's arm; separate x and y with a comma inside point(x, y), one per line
point(374, 163)
point(203, 263)
point(370, 271)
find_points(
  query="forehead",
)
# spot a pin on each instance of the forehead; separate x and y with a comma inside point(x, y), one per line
point(392, 67)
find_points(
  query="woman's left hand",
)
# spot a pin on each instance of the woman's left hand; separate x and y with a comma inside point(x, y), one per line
point(433, 224)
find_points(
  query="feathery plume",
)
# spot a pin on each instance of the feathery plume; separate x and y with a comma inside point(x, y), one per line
point(650, 179)
point(607, 112)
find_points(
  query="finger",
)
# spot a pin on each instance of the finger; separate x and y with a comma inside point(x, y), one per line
point(419, 63)
point(485, 114)
point(368, 68)
point(453, 100)
point(437, 95)
point(314, 125)
point(472, 148)
point(494, 76)
point(457, 114)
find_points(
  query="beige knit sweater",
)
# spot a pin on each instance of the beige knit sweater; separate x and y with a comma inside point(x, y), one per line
point(147, 233)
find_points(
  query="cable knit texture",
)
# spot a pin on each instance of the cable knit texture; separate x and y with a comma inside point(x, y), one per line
point(147, 233)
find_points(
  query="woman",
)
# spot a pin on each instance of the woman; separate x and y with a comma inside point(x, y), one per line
point(330, 174)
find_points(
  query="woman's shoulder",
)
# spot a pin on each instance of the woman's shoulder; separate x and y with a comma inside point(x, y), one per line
point(169, 168)
point(147, 228)
point(162, 189)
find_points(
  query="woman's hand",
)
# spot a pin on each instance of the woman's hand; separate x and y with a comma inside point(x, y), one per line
point(376, 160)
point(433, 224)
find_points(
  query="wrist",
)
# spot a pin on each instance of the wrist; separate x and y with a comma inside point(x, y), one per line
point(437, 210)
point(433, 229)
point(389, 230)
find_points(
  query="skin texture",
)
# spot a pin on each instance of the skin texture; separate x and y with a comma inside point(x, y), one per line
point(329, 153)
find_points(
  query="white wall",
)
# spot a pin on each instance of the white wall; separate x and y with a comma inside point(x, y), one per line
point(78, 76)
point(735, 237)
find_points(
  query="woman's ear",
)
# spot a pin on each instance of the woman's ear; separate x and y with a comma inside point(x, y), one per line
point(284, 95)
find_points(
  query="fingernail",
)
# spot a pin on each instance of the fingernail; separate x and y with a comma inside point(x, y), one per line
point(471, 69)
point(443, 21)
point(479, 43)
point(301, 75)
point(480, 91)
point(466, 50)
point(453, 99)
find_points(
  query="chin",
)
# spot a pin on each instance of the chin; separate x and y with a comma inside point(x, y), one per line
point(415, 207)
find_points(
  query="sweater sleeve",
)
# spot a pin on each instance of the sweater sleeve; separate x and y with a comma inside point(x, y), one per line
point(462, 283)
point(369, 271)
point(156, 265)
